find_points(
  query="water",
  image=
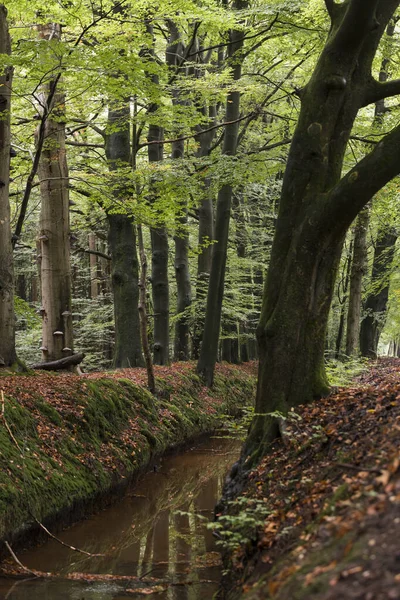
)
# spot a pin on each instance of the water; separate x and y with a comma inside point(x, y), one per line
point(143, 536)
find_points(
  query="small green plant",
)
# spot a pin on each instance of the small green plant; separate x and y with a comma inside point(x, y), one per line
point(239, 428)
point(342, 373)
point(240, 527)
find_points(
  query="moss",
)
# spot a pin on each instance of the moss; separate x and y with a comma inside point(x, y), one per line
point(50, 412)
point(71, 452)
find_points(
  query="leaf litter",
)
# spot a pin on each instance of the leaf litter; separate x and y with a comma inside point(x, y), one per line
point(332, 499)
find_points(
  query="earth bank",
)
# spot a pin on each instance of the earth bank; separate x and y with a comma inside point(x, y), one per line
point(319, 517)
point(70, 444)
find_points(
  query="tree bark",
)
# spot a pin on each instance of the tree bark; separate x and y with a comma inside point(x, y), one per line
point(356, 278)
point(375, 308)
point(144, 322)
point(62, 363)
point(342, 301)
point(122, 245)
point(182, 273)
point(376, 303)
point(209, 346)
point(316, 208)
point(205, 238)
point(55, 268)
point(7, 319)
point(159, 245)
point(94, 287)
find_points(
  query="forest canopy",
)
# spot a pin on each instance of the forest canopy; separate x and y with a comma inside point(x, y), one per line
point(165, 156)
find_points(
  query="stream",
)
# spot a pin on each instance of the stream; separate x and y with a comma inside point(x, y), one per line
point(156, 535)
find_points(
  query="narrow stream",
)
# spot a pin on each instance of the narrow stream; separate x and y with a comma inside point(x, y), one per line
point(157, 533)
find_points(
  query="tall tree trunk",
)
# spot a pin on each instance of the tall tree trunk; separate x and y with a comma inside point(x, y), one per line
point(342, 301)
point(209, 346)
point(182, 274)
point(376, 303)
point(144, 322)
point(159, 246)
point(184, 292)
point(316, 208)
point(55, 267)
point(356, 277)
point(94, 287)
point(205, 237)
point(7, 319)
point(122, 244)
point(375, 308)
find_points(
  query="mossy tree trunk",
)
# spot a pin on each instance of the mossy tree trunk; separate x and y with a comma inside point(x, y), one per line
point(375, 308)
point(342, 293)
point(317, 206)
point(122, 245)
point(7, 320)
point(356, 278)
point(209, 345)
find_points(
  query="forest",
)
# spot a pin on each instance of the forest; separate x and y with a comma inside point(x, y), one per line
point(201, 182)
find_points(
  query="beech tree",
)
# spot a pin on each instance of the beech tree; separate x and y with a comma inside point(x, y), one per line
point(55, 267)
point(209, 343)
point(7, 320)
point(317, 205)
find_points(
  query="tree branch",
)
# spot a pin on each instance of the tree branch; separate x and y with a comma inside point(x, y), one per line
point(83, 144)
point(95, 252)
point(330, 7)
point(358, 20)
point(343, 203)
point(376, 91)
point(192, 135)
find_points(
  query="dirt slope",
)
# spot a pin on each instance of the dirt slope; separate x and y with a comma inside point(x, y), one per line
point(330, 499)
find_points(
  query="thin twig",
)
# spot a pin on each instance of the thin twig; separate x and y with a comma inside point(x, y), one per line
point(63, 543)
point(17, 559)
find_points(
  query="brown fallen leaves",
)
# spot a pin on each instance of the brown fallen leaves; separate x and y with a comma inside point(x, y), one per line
point(339, 474)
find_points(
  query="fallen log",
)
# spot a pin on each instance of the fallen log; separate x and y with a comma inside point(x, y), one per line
point(62, 363)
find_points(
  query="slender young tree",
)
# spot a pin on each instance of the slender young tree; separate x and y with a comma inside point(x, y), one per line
point(7, 319)
point(159, 240)
point(356, 278)
point(174, 52)
point(209, 346)
point(375, 307)
point(316, 208)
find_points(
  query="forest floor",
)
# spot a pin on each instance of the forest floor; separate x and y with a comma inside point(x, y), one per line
point(331, 493)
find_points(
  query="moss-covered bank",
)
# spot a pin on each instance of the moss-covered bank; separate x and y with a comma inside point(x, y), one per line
point(66, 441)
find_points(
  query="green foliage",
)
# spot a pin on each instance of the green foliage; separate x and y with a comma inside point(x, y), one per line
point(239, 527)
point(343, 373)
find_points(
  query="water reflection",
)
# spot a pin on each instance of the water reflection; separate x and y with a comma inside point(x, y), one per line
point(143, 536)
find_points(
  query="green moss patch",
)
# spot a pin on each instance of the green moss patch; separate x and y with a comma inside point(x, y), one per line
point(67, 440)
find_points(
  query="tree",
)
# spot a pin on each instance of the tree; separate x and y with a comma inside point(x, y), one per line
point(55, 267)
point(376, 303)
point(317, 206)
point(209, 344)
point(122, 244)
point(7, 320)
point(356, 277)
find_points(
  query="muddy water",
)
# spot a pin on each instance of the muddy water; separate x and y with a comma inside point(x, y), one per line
point(156, 534)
